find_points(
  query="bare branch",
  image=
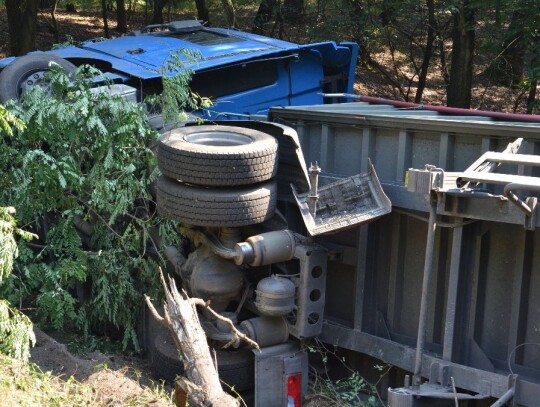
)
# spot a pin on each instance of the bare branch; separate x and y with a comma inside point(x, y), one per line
point(154, 312)
point(236, 332)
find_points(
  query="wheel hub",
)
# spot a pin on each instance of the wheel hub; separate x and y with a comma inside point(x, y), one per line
point(218, 139)
point(33, 79)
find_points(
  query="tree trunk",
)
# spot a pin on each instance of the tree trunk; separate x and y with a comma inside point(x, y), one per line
point(145, 12)
point(181, 318)
point(428, 52)
point(55, 23)
point(105, 20)
point(531, 98)
point(22, 21)
point(266, 10)
point(293, 10)
point(356, 12)
point(461, 68)
point(202, 11)
point(230, 12)
point(509, 67)
point(121, 16)
point(157, 17)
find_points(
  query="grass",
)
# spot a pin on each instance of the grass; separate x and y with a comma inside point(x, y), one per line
point(27, 385)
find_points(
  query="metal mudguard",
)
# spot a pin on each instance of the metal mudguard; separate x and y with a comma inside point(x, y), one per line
point(344, 203)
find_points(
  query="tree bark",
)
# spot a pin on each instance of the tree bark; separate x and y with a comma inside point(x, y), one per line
point(461, 68)
point(357, 12)
point(266, 10)
point(181, 318)
point(230, 12)
point(509, 67)
point(428, 51)
point(202, 11)
point(121, 16)
point(293, 10)
point(531, 97)
point(22, 21)
point(105, 20)
point(55, 23)
point(157, 16)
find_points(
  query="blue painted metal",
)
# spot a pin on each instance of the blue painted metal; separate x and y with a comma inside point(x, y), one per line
point(303, 71)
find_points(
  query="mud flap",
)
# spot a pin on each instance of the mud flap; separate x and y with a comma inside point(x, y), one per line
point(344, 203)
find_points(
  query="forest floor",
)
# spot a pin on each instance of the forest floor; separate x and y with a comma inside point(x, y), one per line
point(116, 380)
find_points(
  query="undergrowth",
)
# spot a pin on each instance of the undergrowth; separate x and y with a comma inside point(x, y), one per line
point(80, 176)
point(27, 385)
point(351, 390)
point(16, 330)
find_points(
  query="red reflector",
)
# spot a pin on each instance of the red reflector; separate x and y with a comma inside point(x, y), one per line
point(294, 390)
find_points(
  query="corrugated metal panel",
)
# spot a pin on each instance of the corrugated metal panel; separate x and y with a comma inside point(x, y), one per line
point(484, 310)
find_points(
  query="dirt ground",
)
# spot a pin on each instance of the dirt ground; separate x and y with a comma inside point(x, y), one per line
point(114, 379)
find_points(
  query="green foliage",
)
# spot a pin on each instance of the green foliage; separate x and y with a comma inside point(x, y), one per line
point(177, 97)
point(16, 333)
point(8, 121)
point(68, 42)
point(8, 245)
point(81, 173)
point(28, 386)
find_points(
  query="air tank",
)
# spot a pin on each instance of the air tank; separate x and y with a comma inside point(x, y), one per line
point(275, 296)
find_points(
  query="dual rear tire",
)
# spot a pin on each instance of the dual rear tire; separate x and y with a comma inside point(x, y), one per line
point(217, 176)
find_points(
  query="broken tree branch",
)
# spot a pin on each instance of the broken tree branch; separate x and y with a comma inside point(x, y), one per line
point(181, 318)
point(238, 335)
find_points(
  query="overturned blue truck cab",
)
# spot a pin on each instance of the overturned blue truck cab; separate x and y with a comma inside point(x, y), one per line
point(243, 73)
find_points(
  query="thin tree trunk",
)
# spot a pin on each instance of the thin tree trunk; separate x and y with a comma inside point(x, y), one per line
point(202, 11)
point(230, 12)
point(55, 23)
point(356, 12)
point(509, 67)
point(121, 17)
point(105, 21)
point(293, 10)
point(428, 52)
point(22, 21)
point(531, 98)
point(266, 10)
point(461, 69)
point(132, 5)
point(145, 12)
point(157, 17)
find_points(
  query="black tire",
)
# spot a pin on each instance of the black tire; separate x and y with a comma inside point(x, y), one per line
point(217, 155)
point(27, 71)
point(210, 207)
point(235, 366)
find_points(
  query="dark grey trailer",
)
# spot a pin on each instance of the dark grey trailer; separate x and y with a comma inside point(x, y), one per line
point(482, 302)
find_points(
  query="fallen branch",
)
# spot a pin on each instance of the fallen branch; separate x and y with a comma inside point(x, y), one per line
point(180, 317)
point(238, 335)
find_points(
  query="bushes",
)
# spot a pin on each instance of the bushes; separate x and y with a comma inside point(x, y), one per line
point(16, 334)
point(80, 176)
